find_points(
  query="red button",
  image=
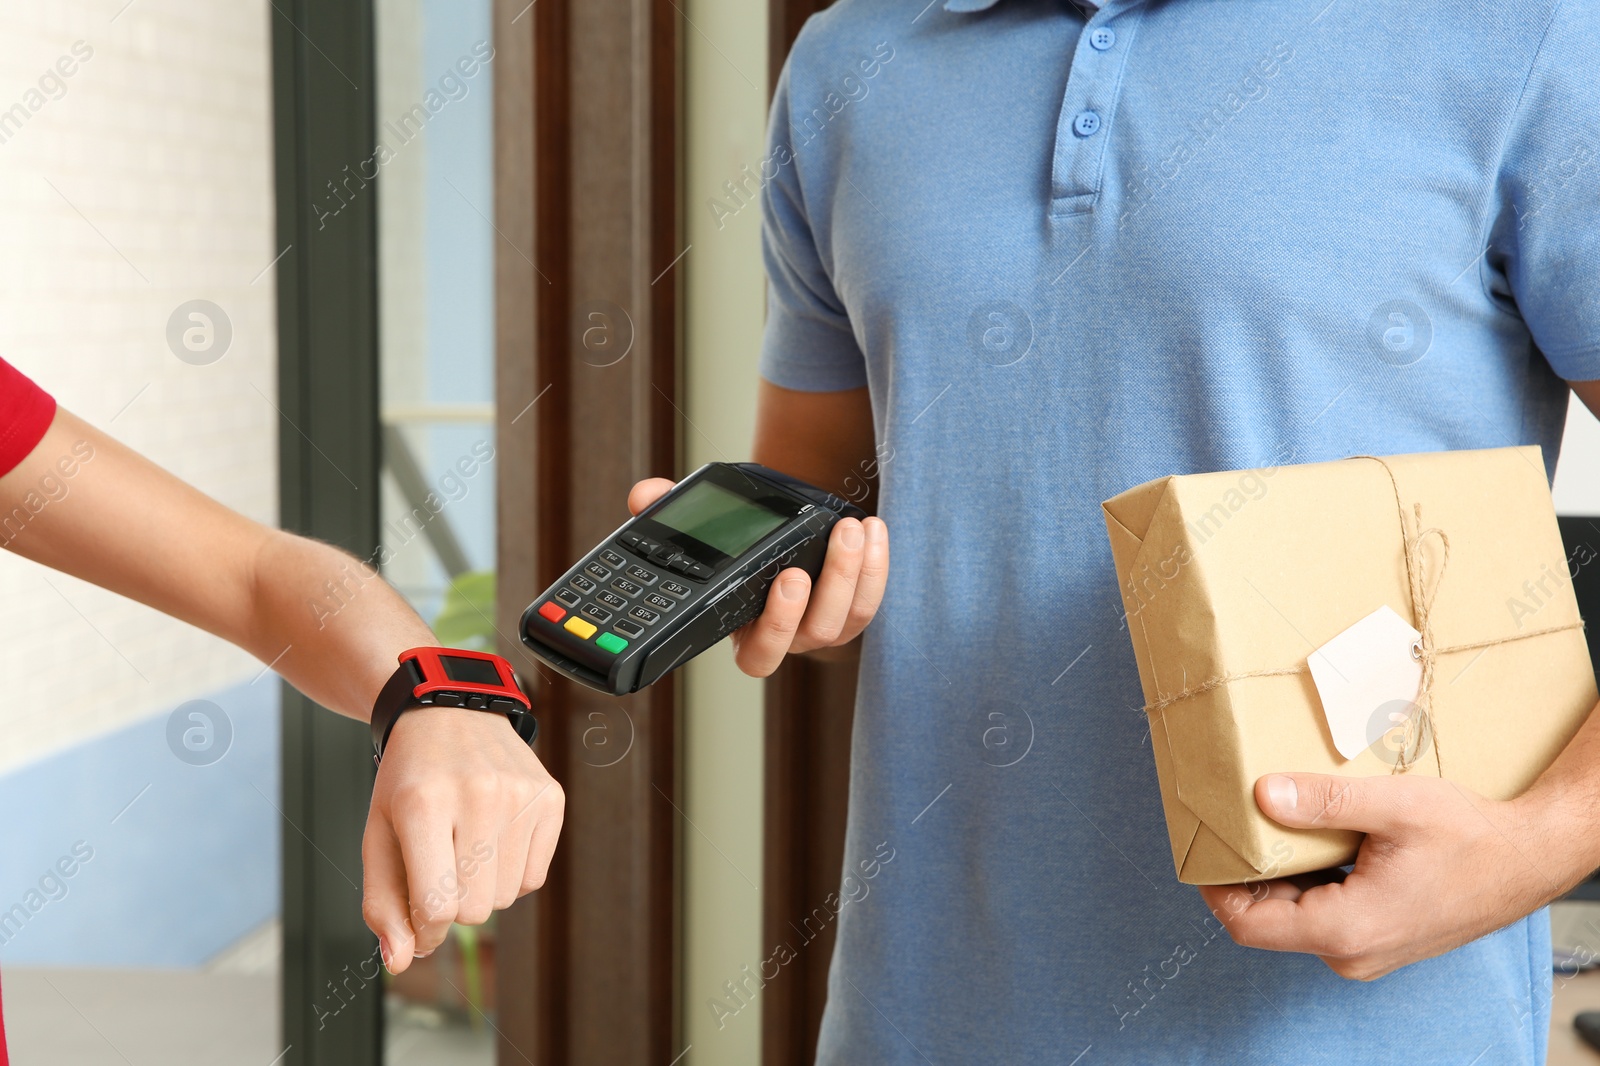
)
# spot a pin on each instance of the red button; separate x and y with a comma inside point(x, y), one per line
point(552, 612)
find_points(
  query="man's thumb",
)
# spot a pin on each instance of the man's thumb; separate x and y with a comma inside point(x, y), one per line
point(1321, 801)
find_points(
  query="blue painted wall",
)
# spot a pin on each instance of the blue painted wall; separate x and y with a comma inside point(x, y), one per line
point(186, 857)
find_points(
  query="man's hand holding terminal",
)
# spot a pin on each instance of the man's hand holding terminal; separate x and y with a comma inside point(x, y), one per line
point(801, 618)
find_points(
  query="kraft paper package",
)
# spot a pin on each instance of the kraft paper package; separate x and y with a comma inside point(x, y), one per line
point(1233, 581)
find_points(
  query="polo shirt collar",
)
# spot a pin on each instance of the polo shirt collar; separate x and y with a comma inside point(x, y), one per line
point(984, 5)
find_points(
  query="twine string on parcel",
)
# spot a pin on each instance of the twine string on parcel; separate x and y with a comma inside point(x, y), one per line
point(1422, 595)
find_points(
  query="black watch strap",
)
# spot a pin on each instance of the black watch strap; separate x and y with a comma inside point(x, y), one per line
point(398, 695)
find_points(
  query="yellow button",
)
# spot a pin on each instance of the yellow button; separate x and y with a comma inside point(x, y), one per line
point(579, 627)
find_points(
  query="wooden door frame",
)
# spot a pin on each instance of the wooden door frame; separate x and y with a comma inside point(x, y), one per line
point(586, 206)
point(810, 709)
point(555, 499)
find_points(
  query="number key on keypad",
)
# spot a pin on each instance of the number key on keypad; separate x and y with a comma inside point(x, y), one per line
point(596, 612)
point(675, 588)
point(645, 615)
point(582, 584)
point(611, 558)
point(659, 602)
point(612, 600)
point(641, 575)
point(595, 570)
point(626, 587)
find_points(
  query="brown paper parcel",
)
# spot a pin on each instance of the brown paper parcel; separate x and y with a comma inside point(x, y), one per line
point(1247, 572)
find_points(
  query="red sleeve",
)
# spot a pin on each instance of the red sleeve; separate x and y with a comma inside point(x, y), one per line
point(25, 413)
point(3, 1057)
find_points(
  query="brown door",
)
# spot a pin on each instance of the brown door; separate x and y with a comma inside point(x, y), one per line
point(586, 207)
point(810, 707)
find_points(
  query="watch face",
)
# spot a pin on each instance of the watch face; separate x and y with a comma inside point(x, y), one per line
point(470, 671)
point(464, 675)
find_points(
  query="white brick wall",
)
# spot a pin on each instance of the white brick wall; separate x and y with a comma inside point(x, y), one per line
point(146, 184)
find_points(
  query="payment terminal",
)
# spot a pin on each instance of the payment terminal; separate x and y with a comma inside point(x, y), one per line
point(686, 572)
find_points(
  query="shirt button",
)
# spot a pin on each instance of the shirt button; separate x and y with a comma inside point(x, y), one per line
point(1086, 124)
point(1103, 38)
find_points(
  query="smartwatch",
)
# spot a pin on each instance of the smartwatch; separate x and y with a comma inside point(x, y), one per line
point(451, 677)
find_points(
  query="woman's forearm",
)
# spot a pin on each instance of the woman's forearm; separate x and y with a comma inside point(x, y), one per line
point(329, 624)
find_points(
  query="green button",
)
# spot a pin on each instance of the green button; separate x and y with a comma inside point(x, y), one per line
point(611, 642)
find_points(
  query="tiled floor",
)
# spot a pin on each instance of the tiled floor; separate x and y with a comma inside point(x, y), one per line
point(184, 1018)
point(225, 1015)
point(118, 1017)
point(228, 1016)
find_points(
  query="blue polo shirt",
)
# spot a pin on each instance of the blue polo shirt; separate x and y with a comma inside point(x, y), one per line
point(1069, 250)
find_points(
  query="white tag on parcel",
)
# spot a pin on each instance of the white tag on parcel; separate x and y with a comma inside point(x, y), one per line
point(1367, 678)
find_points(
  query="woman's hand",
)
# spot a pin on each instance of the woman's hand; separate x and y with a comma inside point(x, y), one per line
point(464, 820)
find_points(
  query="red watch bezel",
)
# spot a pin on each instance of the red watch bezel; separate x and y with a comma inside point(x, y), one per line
point(434, 678)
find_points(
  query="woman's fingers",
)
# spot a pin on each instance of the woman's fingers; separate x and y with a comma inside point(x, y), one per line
point(428, 850)
point(553, 806)
point(385, 893)
point(477, 868)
